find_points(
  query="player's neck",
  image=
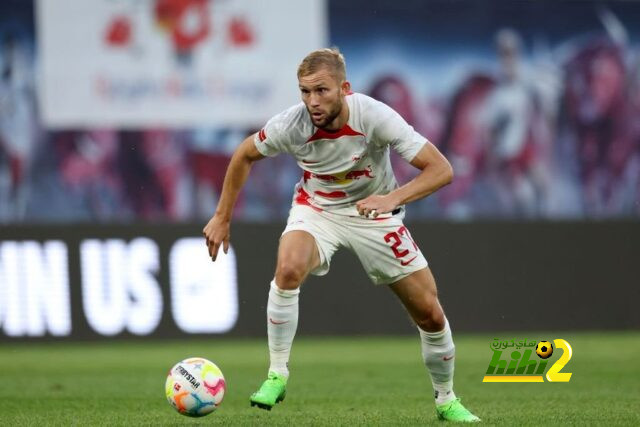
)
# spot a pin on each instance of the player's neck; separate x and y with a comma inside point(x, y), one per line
point(341, 120)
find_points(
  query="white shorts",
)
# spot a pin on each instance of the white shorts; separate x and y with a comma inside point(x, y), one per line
point(385, 247)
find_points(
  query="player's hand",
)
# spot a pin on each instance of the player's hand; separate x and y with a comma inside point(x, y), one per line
point(216, 233)
point(376, 205)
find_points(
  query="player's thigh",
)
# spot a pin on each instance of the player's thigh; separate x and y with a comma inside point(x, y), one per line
point(419, 294)
point(297, 256)
point(385, 249)
point(326, 235)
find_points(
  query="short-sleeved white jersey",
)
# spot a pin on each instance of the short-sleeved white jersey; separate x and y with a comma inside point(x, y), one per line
point(342, 167)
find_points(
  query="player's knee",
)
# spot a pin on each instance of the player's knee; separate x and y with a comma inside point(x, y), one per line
point(431, 319)
point(289, 275)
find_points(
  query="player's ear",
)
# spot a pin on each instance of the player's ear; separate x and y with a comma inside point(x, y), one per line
point(345, 87)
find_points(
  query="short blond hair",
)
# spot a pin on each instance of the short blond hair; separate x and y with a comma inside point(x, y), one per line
point(330, 58)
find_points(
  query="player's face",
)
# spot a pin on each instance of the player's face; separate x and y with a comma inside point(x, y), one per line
point(324, 96)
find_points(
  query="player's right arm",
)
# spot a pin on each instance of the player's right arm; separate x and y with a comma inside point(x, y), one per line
point(217, 230)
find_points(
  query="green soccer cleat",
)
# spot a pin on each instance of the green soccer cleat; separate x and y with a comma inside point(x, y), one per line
point(272, 391)
point(454, 411)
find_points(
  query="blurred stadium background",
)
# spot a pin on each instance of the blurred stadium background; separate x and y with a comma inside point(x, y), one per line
point(117, 121)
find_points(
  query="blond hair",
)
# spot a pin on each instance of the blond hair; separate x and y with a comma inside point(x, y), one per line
point(330, 58)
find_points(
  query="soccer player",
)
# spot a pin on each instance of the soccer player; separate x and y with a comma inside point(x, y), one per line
point(347, 197)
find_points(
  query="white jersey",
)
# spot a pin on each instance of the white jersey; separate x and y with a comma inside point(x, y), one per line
point(340, 168)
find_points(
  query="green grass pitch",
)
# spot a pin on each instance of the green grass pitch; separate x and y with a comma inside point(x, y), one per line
point(335, 381)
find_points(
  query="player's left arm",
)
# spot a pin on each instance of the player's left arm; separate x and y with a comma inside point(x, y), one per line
point(436, 172)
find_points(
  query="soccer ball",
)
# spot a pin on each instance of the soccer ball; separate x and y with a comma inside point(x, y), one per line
point(544, 349)
point(195, 387)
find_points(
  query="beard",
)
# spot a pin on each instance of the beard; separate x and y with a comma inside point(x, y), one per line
point(328, 117)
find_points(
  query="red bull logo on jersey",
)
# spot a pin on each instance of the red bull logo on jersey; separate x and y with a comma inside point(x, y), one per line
point(342, 178)
point(357, 174)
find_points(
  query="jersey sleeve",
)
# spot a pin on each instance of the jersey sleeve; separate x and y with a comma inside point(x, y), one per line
point(391, 129)
point(272, 139)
